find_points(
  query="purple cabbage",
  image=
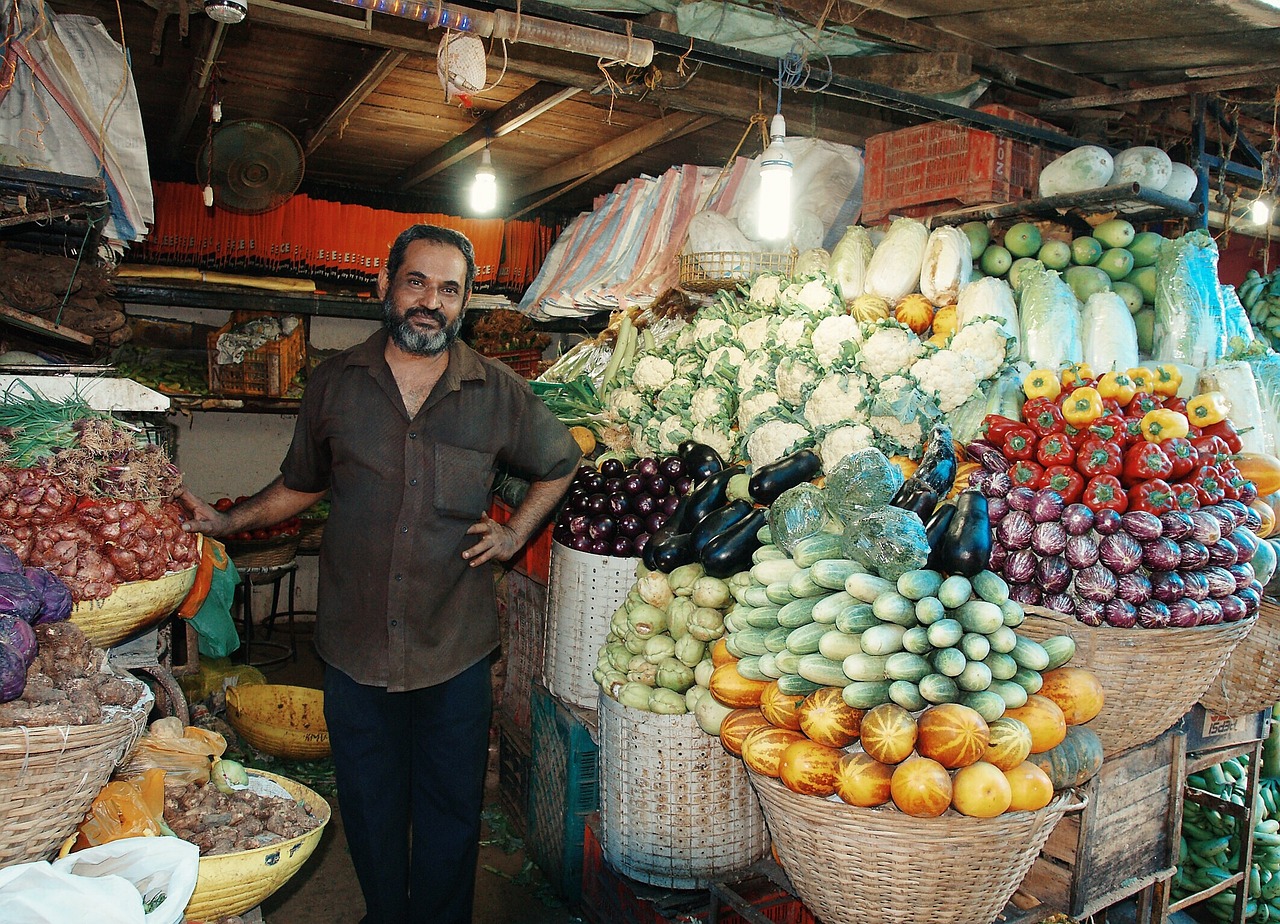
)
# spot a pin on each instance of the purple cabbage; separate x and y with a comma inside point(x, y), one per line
point(1014, 531)
point(1120, 552)
point(1141, 525)
point(1195, 585)
point(1176, 523)
point(1046, 506)
point(17, 596)
point(1049, 538)
point(1106, 521)
point(1026, 594)
point(1097, 582)
point(1089, 612)
point(1020, 498)
point(1053, 574)
point(1210, 612)
point(19, 635)
point(1205, 527)
point(1135, 587)
point(1192, 554)
point(55, 596)
point(1184, 614)
point(1232, 608)
point(1221, 581)
point(1167, 586)
point(1020, 566)
point(13, 672)
point(1161, 554)
point(10, 563)
point(1060, 603)
point(1077, 519)
point(1120, 613)
point(1153, 615)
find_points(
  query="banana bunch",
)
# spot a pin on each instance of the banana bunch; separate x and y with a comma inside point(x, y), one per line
point(1260, 296)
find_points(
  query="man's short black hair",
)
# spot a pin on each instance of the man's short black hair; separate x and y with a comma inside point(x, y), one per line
point(438, 235)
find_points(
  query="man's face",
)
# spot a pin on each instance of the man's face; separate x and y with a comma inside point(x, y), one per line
point(422, 307)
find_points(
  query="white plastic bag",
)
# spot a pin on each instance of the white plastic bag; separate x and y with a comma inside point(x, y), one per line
point(112, 883)
point(1107, 334)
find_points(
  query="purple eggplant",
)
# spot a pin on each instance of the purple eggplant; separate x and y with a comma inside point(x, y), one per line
point(1252, 520)
point(1256, 586)
point(1246, 543)
point(999, 555)
point(619, 504)
point(976, 449)
point(993, 461)
point(1014, 531)
point(655, 521)
point(1223, 553)
point(1120, 552)
point(682, 485)
point(1077, 519)
point(1081, 552)
point(622, 547)
point(1153, 615)
point(612, 468)
point(1226, 519)
point(634, 484)
point(1141, 525)
point(638, 542)
point(1161, 554)
point(1205, 527)
point(644, 504)
point(978, 481)
point(1053, 574)
point(1020, 566)
point(613, 486)
point(1221, 581)
point(1233, 609)
point(1251, 600)
point(1049, 538)
point(1060, 603)
point(579, 524)
point(997, 507)
point(1195, 585)
point(669, 503)
point(630, 525)
point(1184, 614)
point(672, 467)
point(1026, 594)
point(1167, 586)
point(1176, 523)
point(1135, 587)
point(598, 503)
point(647, 466)
point(1097, 582)
point(998, 485)
point(1089, 612)
point(601, 527)
point(1106, 521)
point(1239, 512)
point(1120, 614)
point(1210, 612)
point(560, 533)
point(1021, 498)
point(601, 547)
point(1243, 575)
point(1192, 554)
point(1046, 506)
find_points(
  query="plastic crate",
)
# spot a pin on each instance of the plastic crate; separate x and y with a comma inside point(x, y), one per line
point(522, 603)
point(266, 372)
point(563, 790)
point(926, 168)
point(527, 363)
point(534, 560)
point(513, 774)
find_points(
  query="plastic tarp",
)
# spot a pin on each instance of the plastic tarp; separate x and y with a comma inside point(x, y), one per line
point(72, 108)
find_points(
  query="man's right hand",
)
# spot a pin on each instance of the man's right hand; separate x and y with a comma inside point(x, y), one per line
point(204, 519)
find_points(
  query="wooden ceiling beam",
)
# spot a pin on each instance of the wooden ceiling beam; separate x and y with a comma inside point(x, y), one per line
point(1164, 91)
point(387, 62)
point(914, 71)
point(526, 107)
point(201, 69)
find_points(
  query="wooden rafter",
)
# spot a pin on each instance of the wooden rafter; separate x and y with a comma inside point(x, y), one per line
point(387, 62)
point(201, 68)
point(1164, 91)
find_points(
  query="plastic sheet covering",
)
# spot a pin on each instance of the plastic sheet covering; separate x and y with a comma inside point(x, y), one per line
point(1050, 319)
point(1189, 327)
point(73, 93)
point(1108, 334)
point(764, 32)
point(1266, 376)
point(824, 176)
point(796, 514)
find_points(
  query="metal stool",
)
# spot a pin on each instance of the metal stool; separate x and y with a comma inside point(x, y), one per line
point(270, 621)
point(257, 577)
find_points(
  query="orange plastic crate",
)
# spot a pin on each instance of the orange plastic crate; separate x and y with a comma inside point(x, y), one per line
point(927, 168)
point(534, 560)
point(266, 372)
point(527, 363)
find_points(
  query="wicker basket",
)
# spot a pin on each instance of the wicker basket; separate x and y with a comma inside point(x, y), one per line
point(712, 271)
point(853, 865)
point(676, 809)
point(1250, 680)
point(263, 553)
point(131, 608)
point(585, 591)
point(1150, 677)
point(50, 774)
point(280, 720)
point(310, 534)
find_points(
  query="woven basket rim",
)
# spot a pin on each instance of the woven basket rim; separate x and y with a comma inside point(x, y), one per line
point(1250, 679)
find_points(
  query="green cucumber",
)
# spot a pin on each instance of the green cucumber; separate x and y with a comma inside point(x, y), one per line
point(837, 645)
point(768, 553)
point(1014, 696)
point(755, 596)
point(916, 585)
point(990, 587)
point(1002, 666)
point(801, 585)
point(822, 670)
point(731, 643)
point(855, 618)
point(787, 661)
point(759, 617)
point(776, 639)
point(987, 704)
point(895, 608)
point(883, 639)
point(949, 661)
point(773, 570)
point(779, 592)
point(826, 609)
point(866, 587)
point(751, 641)
point(803, 640)
point(938, 688)
point(795, 685)
point(749, 667)
point(831, 573)
point(945, 632)
point(975, 677)
point(916, 640)
point(861, 695)
point(797, 613)
point(1002, 640)
point(732, 624)
point(1060, 649)
point(864, 667)
point(1030, 653)
point(929, 610)
point(907, 695)
point(815, 548)
point(1029, 680)
point(769, 665)
point(979, 616)
point(904, 665)
point(955, 591)
point(975, 647)
point(1013, 613)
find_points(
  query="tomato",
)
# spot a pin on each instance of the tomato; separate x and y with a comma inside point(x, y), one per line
point(223, 503)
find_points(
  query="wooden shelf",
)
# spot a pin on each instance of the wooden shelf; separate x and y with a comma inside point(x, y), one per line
point(1138, 203)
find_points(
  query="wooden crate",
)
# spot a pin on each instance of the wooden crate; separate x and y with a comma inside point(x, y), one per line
point(1207, 730)
point(1124, 841)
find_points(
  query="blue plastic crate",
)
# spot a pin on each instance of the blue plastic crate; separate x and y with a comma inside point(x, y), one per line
point(564, 788)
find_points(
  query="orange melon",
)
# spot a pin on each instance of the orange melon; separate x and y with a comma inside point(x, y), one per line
point(781, 709)
point(953, 735)
point(1045, 719)
point(732, 689)
point(828, 719)
point(720, 653)
point(809, 768)
point(763, 748)
point(737, 725)
point(863, 780)
point(981, 790)
point(1010, 743)
point(921, 787)
point(888, 733)
point(1077, 691)
point(1030, 788)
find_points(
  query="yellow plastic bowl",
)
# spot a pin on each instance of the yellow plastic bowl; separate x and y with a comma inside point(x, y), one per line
point(132, 607)
point(280, 720)
point(232, 883)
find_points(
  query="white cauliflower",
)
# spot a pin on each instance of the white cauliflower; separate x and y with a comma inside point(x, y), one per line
point(640, 439)
point(625, 402)
point(652, 373)
point(836, 399)
point(793, 331)
point(982, 343)
point(895, 436)
point(793, 376)
point(835, 338)
point(891, 348)
point(711, 332)
point(671, 433)
point(814, 296)
point(765, 289)
point(772, 440)
point(710, 402)
point(948, 376)
point(721, 440)
point(756, 369)
point(753, 334)
point(688, 365)
point(723, 362)
point(686, 338)
point(843, 441)
point(755, 404)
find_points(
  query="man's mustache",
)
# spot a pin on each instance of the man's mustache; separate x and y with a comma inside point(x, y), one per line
point(433, 313)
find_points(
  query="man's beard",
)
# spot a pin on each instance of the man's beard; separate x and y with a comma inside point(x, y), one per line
point(415, 341)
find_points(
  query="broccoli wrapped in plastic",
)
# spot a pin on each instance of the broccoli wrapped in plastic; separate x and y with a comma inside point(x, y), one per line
point(865, 478)
point(796, 514)
point(888, 541)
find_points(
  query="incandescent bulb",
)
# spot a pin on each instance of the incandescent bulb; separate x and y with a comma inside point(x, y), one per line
point(1260, 212)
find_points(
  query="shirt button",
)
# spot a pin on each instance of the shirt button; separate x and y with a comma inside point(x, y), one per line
point(413, 436)
point(399, 577)
point(413, 482)
point(394, 623)
point(404, 529)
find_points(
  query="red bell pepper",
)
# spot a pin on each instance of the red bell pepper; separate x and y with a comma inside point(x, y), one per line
point(1213, 450)
point(1108, 427)
point(1020, 444)
point(1132, 431)
point(1182, 456)
point(1105, 492)
point(1225, 430)
point(1144, 461)
point(1112, 406)
point(1066, 481)
point(1055, 449)
point(1043, 416)
point(1232, 481)
point(1174, 403)
point(1099, 457)
point(1026, 474)
point(1076, 436)
point(1184, 497)
point(1208, 484)
point(1142, 403)
point(1153, 495)
point(995, 427)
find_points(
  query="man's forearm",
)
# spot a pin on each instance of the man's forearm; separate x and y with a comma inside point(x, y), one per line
point(537, 505)
point(269, 506)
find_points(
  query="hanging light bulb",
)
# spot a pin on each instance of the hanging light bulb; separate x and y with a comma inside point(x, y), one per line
point(208, 196)
point(774, 215)
point(1260, 211)
point(484, 189)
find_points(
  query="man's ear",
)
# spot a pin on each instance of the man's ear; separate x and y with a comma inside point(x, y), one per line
point(384, 283)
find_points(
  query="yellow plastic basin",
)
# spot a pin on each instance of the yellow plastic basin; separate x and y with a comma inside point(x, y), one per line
point(132, 607)
point(281, 720)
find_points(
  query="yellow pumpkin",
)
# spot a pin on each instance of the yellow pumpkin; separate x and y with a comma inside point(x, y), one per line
point(864, 780)
point(809, 768)
point(921, 787)
point(763, 748)
point(827, 719)
point(1077, 691)
point(1030, 788)
point(981, 790)
point(953, 735)
point(737, 725)
point(732, 689)
point(964, 471)
point(915, 312)
point(1010, 743)
point(906, 464)
point(1260, 468)
point(1045, 719)
point(781, 709)
point(869, 308)
point(888, 733)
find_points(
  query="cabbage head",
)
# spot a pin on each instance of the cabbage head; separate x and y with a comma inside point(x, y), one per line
point(18, 597)
point(862, 479)
point(796, 514)
point(887, 541)
point(55, 596)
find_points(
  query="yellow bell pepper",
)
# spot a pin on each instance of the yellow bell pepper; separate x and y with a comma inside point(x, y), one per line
point(1041, 383)
point(1082, 407)
point(1077, 373)
point(1117, 385)
point(1207, 409)
point(1142, 377)
point(1167, 379)
point(1163, 424)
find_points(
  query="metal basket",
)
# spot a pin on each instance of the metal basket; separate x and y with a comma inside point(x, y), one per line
point(711, 271)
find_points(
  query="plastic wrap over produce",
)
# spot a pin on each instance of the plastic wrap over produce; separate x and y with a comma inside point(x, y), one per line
point(1050, 320)
point(1107, 334)
point(1194, 321)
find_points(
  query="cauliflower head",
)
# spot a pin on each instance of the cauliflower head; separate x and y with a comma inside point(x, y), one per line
point(891, 348)
point(753, 335)
point(896, 437)
point(756, 369)
point(843, 441)
point(711, 402)
point(948, 376)
point(983, 344)
point(755, 404)
point(835, 399)
point(652, 373)
point(722, 440)
point(793, 331)
point(625, 402)
point(815, 296)
point(723, 363)
point(710, 333)
point(765, 289)
point(836, 338)
point(671, 433)
point(793, 376)
point(774, 439)
point(688, 365)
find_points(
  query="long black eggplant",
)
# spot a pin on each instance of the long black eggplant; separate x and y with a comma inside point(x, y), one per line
point(966, 545)
point(672, 552)
point(709, 495)
point(918, 497)
point(730, 551)
point(935, 531)
point(663, 534)
point(717, 521)
point(938, 465)
point(771, 480)
point(700, 460)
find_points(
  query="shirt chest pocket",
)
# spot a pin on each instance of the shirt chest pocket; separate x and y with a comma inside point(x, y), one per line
point(463, 480)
